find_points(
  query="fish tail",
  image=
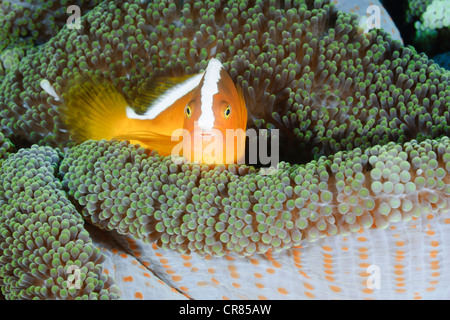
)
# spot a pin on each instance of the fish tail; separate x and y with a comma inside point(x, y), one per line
point(93, 109)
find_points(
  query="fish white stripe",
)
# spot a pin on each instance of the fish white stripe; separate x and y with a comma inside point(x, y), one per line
point(167, 99)
point(209, 89)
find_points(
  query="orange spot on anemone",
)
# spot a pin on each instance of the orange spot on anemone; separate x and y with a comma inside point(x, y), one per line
point(283, 291)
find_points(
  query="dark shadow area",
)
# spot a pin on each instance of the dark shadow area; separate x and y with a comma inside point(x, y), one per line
point(289, 148)
point(429, 43)
point(397, 11)
point(19, 142)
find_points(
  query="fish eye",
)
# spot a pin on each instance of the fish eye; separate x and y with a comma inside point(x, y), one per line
point(227, 112)
point(188, 111)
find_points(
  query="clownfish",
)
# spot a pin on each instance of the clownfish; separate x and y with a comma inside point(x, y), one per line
point(201, 117)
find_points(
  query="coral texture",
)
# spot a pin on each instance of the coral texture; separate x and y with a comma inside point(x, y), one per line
point(307, 70)
point(365, 9)
point(431, 21)
point(42, 237)
point(5, 147)
point(192, 208)
point(29, 23)
point(416, 8)
point(433, 29)
point(437, 15)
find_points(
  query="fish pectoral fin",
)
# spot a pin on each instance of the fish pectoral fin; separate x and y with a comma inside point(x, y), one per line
point(92, 108)
point(164, 144)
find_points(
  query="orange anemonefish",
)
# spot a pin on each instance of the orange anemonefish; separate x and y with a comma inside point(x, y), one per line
point(206, 112)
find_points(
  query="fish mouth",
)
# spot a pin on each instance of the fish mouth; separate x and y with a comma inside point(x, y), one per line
point(211, 147)
point(203, 135)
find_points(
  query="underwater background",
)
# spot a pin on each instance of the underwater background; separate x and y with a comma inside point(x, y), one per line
point(358, 207)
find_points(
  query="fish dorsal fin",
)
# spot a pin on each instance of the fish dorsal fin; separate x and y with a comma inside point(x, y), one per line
point(156, 96)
